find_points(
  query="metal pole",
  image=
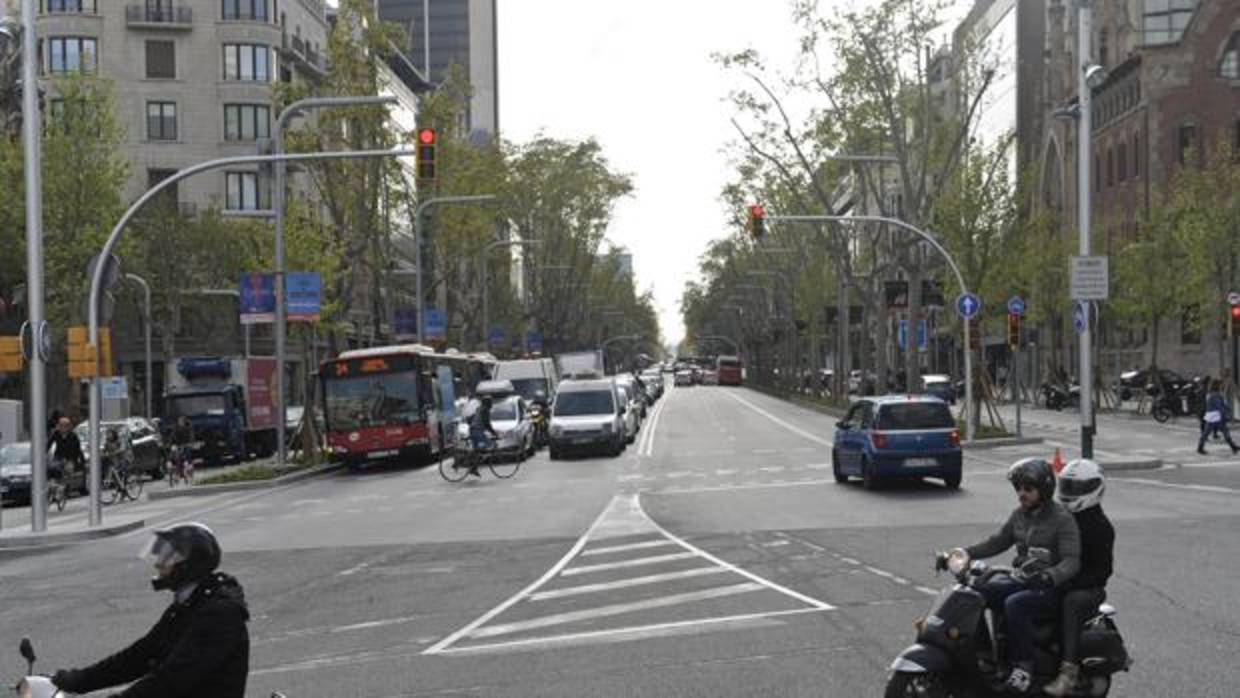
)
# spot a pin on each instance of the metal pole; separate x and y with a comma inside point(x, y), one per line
point(146, 321)
point(1084, 36)
point(96, 280)
point(418, 214)
point(968, 359)
point(31, 130)
point(1016, 387)
point(277, 204)
point(426, 45)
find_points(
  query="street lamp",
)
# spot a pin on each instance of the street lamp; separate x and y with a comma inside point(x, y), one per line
point(484, 271)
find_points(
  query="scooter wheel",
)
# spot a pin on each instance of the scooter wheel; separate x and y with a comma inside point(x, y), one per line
point(909, 685)
point(1161, 414)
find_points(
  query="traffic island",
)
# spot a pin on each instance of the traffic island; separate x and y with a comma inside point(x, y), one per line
point(1119, 465)
point(244, 478)
point(18, 541)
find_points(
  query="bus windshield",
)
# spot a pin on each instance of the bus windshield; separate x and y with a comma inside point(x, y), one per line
point(373, 400)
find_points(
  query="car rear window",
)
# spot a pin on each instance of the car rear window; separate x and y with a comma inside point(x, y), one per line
point(915, 415)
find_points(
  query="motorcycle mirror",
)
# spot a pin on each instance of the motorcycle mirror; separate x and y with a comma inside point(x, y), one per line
point(27, 650)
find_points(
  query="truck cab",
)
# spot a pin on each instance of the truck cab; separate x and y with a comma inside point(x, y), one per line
point(228, 402)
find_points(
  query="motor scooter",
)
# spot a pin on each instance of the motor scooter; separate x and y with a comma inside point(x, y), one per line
point(960, 643)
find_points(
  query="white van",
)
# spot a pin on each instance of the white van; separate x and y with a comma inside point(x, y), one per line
point(530, 377)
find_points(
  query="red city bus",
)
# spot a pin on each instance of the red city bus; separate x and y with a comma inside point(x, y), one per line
point(383, 404)
point(728, 369)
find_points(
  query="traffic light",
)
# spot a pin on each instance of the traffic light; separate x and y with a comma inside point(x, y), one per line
point(757, 221)
point(427, 144)
point(1013, 330)
point(1233, 327)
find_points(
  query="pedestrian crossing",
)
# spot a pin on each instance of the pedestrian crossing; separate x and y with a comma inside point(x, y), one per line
point(627, 578)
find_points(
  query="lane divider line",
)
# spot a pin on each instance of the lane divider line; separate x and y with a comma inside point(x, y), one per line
point(790, 427)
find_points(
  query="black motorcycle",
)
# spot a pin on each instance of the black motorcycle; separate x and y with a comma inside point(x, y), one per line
point(1188, 399)
point(1056, 397)
point(960, 644)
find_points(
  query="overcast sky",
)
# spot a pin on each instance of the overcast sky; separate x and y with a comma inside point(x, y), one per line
point(638, 76)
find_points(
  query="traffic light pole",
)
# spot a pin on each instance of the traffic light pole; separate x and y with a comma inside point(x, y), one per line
point(419, 232)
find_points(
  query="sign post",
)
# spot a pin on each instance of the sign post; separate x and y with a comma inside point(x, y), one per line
point(1016, 313)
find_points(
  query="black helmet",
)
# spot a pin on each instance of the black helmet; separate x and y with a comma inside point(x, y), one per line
point(1036, 472)
point(181, 554)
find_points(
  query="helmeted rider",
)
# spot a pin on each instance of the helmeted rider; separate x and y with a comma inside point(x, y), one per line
point(200, 647)
point(482, 434)
point(1048, 552)
point(1081, 486)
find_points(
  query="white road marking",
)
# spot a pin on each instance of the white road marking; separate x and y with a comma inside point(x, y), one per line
point(625, 583)
point(652, 429)
point(621, 564)
point(741, 486)
point(373, 624)
point(773, 469)
point(819, 466)
point(615, 609)
point(624, 548)
point(1217, 489)
point(353, 570)
point(927, 591)
point(790, 427)
point(727, 471)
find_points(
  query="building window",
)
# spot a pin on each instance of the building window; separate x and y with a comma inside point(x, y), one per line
point(1110, 167)
point(72, 54)
point(1187, 141)
point(1102, 49)
point(1229, 67)
point(250, 62)
point(1164, 21)
point(1122, 165)
point(1190, 324)
point(155, 176)
point(245, 191)
point(255, 10)
point(246, 122)
point(161, 121)
point(72, 6)
point(1097, 173)
point(1136, 155)
point(161, 59)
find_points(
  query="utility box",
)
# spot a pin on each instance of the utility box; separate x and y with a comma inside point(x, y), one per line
point(12, 424)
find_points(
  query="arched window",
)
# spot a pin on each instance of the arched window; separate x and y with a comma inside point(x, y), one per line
point(1229, 66)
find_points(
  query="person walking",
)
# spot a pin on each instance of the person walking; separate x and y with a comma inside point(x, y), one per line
point(1214, 418)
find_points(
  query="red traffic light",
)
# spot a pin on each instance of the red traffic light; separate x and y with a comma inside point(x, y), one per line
point(426, 136)
point(756, 211)
point(1235, 312)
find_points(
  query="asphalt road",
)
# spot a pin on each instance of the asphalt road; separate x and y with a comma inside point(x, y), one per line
point(716, 557)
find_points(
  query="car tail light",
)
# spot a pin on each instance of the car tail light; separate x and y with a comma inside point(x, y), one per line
point(954, 437)
point(879, 439)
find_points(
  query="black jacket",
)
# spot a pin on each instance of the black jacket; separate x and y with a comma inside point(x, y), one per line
point(198, 649)
point(68, 446)
point(1097, 549)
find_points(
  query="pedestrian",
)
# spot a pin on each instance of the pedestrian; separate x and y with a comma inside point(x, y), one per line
point(52, 421)
point(1214, 418)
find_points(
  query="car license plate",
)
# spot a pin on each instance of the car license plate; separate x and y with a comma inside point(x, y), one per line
point(918, 462)
point(583, 439)
point(382, 454)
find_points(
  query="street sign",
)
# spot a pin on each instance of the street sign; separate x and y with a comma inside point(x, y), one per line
point(534, 341)
point(1233, 298)
point(304, 291)
point(85, 359)
point(257, 302)
point(496, 336)
point(1089, 279)
point(1080, 316)
point(45, 342)
point(968, 305)
point(921, 334)
point(115, 388)
point(406, 321)
point(436, 324)
point(11, 359)
point(1016, 305)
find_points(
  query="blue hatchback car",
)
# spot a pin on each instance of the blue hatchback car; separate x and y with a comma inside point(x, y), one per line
point(897, 437)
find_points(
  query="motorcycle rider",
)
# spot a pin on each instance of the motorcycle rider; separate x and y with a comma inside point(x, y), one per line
point(1080, 491)
point(1048, 552)
point(200, 647)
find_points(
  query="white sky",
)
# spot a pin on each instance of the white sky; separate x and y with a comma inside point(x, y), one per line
point(638, 76)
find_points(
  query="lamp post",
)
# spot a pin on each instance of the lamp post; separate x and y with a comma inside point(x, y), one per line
point(418, 224)
point(484, 272)
point(281, 328)
point(146, 338)
point(1089, 77)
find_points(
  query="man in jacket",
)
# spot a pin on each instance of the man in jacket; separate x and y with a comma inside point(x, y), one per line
point(1048, 554)
point(1214, 418)
point(1080, 491)
point(199, 648)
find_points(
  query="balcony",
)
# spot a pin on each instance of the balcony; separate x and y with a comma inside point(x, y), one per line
point(70, 7)
point(148, 17)
point(303, 54)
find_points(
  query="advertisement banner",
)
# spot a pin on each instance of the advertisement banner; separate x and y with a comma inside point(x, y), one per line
point(257, 302)
point(260, 400)
point(305, 291)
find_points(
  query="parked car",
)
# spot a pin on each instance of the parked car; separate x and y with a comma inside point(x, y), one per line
point(511, 419)
point(897, 436)
point(143, 437)
point(15, 472)
point(710, 377)
point(587, 415)
point(939, 385)
point(632, 418)
point(683, 379)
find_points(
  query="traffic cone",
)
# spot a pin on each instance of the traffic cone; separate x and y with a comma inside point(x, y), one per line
point(1057, 462)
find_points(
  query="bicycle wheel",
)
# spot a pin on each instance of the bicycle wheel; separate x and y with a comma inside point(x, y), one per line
point(454, 469)
point(112, 489)
point(56, 497)
point(133, 487)
point(504, 469)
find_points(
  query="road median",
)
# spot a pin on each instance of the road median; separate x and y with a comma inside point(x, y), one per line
point(246, 485)
point(16, 541)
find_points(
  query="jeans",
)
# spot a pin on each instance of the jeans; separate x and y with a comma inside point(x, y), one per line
point(1021, 606)
point(1209, 430)
point(1078, 606)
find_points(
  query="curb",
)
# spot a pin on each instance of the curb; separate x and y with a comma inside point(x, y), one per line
point(1000, 442)
point(37, 541)
point(1122, 465)
point(207, 490)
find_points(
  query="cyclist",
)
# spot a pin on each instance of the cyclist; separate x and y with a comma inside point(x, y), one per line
point(482, 435)
point(182, 437)
point(116, 454)
point(67, 450)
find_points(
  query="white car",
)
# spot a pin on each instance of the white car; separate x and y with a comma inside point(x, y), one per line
point(511, 420)
point(587, 415)
point(632, 419)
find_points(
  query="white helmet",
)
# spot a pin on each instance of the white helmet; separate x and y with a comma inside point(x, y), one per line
point(1081, 485)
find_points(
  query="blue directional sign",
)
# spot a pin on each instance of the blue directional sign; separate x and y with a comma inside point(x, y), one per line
point(436, 324)
point(405, 321)
point(968, 305)
point(1016, 305)
point(921, 334)
point(304, 291)
point(534, 340)
point(1080, 316)
point(257, 298)
point(496, 336)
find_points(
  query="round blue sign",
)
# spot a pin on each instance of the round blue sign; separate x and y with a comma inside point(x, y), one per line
point(1016, 305)
point(968, 305)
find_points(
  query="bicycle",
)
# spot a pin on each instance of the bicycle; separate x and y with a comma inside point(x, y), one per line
point(120, 485)
point(467, 459)
point(57, 494)
point(180, 465)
